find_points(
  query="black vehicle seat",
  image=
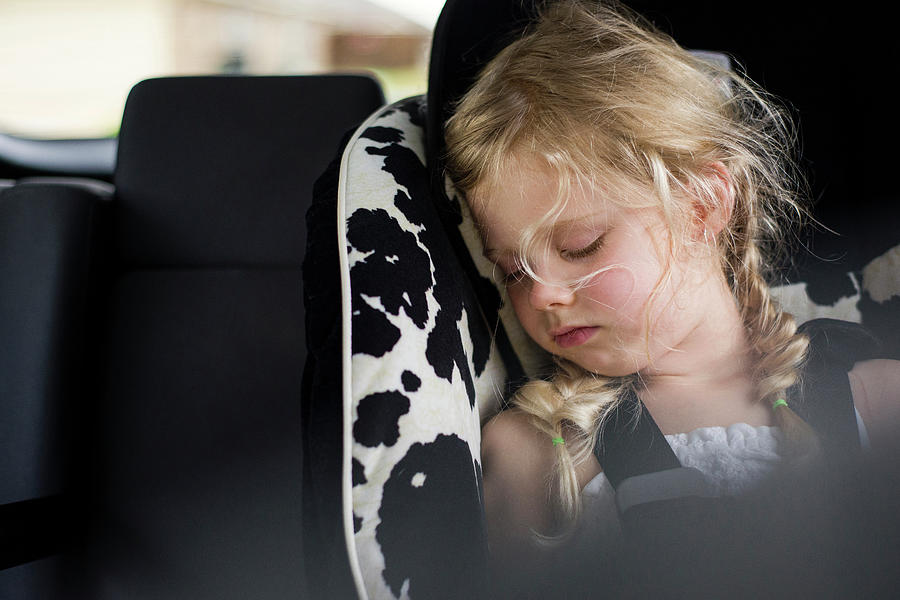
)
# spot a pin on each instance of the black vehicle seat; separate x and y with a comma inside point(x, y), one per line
point(198, 487)
point(48, 239)
point(190, 481)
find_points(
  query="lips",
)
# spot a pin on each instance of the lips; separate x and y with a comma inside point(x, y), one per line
point(567, 337)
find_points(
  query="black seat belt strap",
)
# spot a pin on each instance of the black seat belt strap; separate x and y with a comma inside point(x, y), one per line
point(823, 397)
point(631, 444)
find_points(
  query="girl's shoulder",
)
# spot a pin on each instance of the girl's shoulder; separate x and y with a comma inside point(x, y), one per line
point(517, 465)
point(511, 441)
point(875, 385)
point(517, 452)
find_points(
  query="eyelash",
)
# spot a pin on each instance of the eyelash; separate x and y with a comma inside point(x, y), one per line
point(588, 250)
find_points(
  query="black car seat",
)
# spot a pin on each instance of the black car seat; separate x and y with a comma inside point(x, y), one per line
point(412, 346)
point(48, 244)
point(186, 478)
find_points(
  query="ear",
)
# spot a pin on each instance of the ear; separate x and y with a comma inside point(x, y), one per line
point(713, 215)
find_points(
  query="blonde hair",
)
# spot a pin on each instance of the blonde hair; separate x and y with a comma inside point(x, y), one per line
point(593, 91)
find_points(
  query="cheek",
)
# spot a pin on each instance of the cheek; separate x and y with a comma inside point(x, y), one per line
point(613, 289)
point(528, 318)
point(518, 297)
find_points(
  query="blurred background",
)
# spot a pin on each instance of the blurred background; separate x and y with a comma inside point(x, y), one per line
point(66, 66)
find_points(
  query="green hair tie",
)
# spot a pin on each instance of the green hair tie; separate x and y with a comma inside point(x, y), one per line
point(779, 402)
point(558, 441)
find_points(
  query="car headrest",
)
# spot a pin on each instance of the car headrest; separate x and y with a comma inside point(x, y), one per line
point(219, 170)
point(468, 34)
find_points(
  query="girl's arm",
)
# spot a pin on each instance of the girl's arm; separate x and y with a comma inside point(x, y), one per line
point(876, 393)
point(517, 462)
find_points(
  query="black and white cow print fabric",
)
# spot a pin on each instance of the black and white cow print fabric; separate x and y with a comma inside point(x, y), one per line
point(422, 371)
point(870, 295)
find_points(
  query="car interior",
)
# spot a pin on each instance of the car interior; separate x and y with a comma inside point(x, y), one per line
point(199, 397)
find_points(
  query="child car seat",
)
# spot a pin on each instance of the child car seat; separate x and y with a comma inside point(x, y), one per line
point(406, 354)
point(411, 346)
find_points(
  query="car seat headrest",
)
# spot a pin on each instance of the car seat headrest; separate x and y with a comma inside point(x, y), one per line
point(219, 170)
point(468, 34)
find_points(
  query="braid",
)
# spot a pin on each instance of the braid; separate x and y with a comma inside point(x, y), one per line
point(780, 351)
point(773, 332)
point(570, 406)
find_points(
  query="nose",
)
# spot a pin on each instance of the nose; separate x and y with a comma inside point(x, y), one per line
point(545, 295)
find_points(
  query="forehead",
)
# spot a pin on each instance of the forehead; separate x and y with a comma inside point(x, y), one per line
point(529, 196)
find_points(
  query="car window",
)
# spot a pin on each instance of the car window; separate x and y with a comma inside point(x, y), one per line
point(68, 65)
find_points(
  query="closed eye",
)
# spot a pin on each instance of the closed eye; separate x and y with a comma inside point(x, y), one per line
point(583, 252)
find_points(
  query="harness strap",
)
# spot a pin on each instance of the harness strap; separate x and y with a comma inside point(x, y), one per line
point(671, 484)
point(823, 397)
point(631, 444)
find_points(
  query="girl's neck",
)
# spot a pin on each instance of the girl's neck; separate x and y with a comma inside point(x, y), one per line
point(707, 380)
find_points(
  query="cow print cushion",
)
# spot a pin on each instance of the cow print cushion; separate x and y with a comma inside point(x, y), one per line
point(879, 303)
point(870, 296)
point(421, 372)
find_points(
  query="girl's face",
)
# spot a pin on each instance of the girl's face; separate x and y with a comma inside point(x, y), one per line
point(637, 308)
